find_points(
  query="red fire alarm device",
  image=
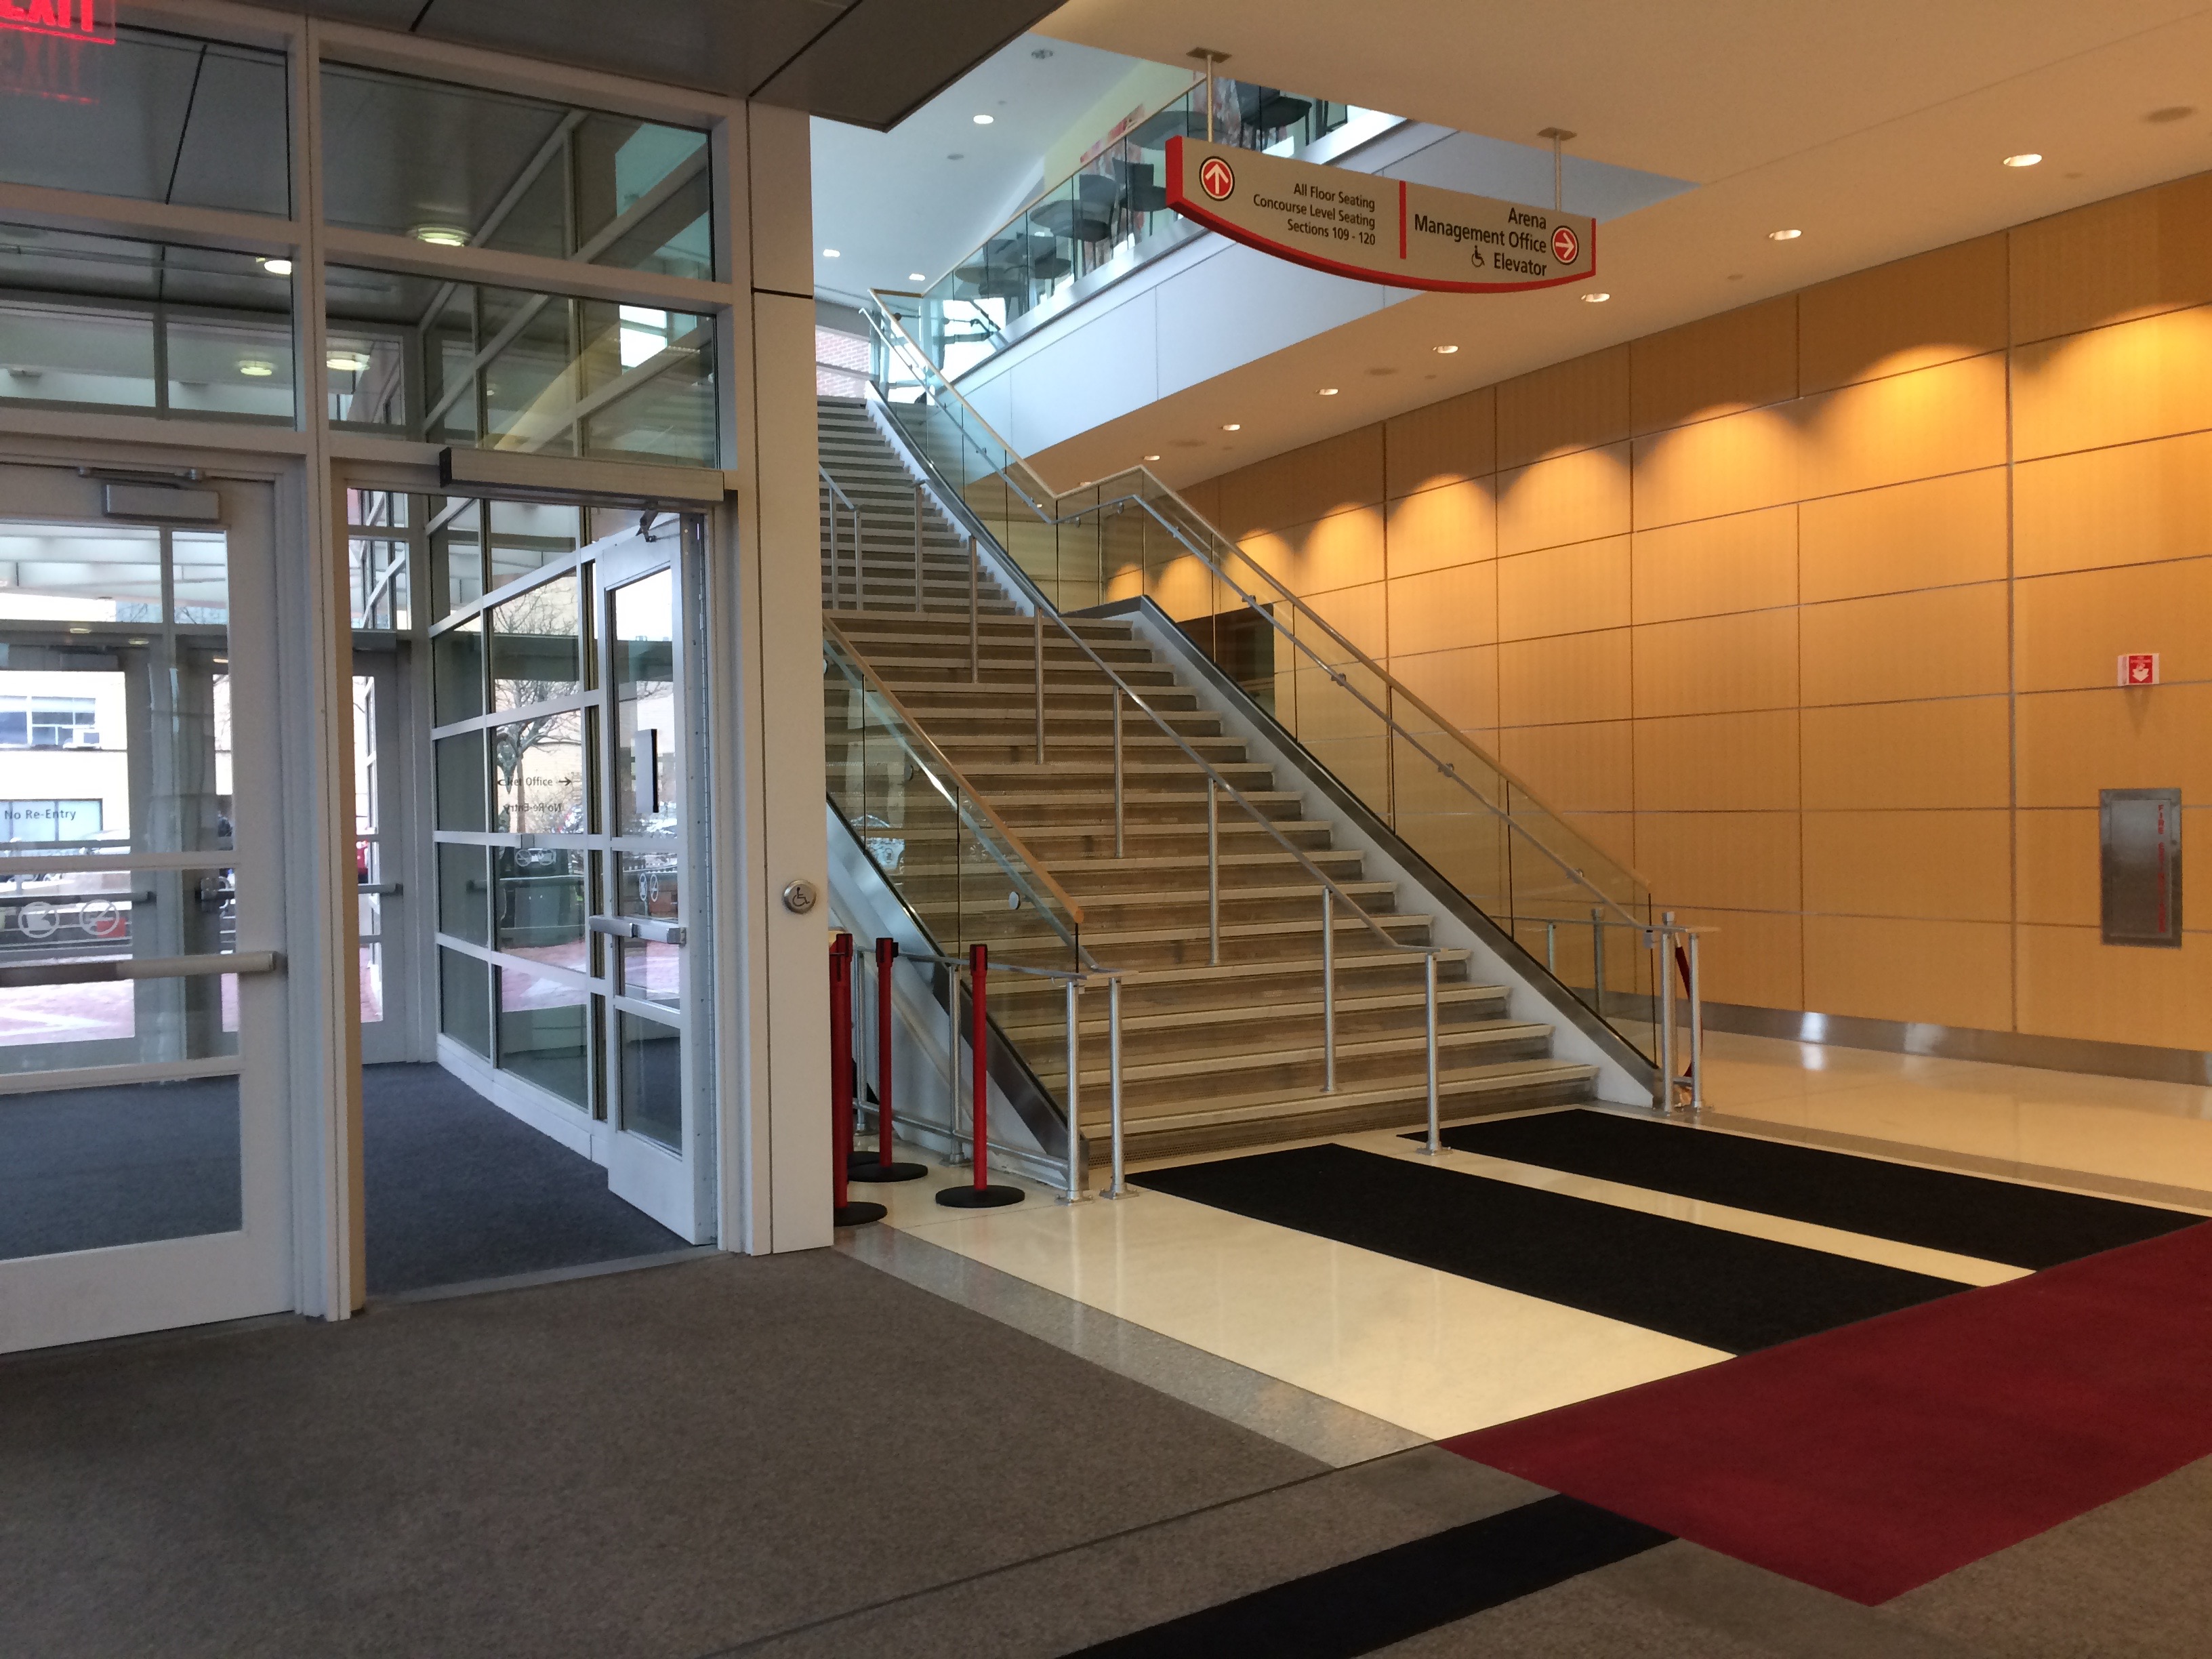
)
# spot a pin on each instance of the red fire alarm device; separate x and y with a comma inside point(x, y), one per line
point(2139, 668)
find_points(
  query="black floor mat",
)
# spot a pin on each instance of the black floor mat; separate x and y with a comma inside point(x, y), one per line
point(1719, 1289)
point(1970, 1215)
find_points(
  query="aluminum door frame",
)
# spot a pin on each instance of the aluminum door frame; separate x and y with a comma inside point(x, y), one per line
point(86, 1295)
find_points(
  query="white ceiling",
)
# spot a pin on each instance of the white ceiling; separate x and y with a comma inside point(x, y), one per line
point(894, 203)
point(1876, 129)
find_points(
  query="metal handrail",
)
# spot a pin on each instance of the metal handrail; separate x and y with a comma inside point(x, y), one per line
point(911, 734)
point(1052, 516)
point(859, 542)
point(130, 967)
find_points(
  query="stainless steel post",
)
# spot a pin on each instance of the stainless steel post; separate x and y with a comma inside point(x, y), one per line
point(1666, 1011)
point(1212, 877)
point(1119, 1189)
point(1328, 988)
point(1074, 1191)
point(1121, 848)
point(1036, 632)
point(917, 547)
point(1436, 1133)
point(951, 1158)
point(1697, 1030)
point(1597, 960)
point(975, 628)
point(1552, 947)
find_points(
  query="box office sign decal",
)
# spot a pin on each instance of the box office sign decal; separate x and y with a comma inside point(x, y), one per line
point(1381, 230)
point(2139, 849)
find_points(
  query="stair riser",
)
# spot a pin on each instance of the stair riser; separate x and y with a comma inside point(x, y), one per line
point(1353, 1072)
point(1168, 1144)
point(1171, 1043)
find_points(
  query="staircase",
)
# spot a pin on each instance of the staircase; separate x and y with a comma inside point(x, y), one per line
point(882, 492)
point(1213, 1056)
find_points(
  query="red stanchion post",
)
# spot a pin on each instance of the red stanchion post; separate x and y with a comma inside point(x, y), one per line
point(981, 1194)
point(884, 1166)
point(844, 1212)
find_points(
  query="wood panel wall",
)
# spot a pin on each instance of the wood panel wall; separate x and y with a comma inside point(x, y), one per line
point(1810, 609)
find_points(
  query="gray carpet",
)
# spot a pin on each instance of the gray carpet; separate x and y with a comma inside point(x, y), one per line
point(457, 1190)
point(85, 1169)
point(660, 1464)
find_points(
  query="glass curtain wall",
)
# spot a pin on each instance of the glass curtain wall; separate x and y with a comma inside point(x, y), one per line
point(478, 364)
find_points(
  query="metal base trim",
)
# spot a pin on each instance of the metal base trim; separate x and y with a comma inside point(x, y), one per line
point(2049, 1054)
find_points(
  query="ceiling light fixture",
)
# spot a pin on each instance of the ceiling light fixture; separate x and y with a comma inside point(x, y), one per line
point(916, 276)
point(1234, 426)
point(1595, 298)
point(441, 235)
point(984, 121)
point(1783, 235)
point(347, 362)
point(1443, 351)
point(2027, 158)
point(1329, 391)
point(80, 631)
point(276, 267)
point(831, 253)
point(256, 368)
point(1151, 457)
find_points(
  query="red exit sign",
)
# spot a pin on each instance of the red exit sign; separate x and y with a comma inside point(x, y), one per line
point(68, 20)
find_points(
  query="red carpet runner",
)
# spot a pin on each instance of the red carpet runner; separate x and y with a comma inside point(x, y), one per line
point(1872, 1458)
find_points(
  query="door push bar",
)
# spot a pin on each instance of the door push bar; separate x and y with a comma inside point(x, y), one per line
point(644, 928)
point(102, 973)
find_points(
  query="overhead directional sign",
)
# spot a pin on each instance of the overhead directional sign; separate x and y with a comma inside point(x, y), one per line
point(1384, 230)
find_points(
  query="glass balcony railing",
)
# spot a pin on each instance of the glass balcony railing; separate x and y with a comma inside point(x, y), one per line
point(1572, 907)
point(1096, 218)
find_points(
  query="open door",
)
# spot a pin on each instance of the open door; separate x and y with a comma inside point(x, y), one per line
point(567, 756)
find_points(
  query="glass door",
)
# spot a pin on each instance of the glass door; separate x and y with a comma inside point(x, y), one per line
point(143, 1152)
point(565, 838)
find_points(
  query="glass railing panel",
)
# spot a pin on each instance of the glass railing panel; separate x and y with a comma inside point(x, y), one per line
point(1099, 216)
point(941, 847)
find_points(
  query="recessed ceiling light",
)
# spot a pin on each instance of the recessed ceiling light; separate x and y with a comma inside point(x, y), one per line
point(831, 253)
point(256, 368)
point(2027, 158)
point(985, 121)
point(1783, 235)
point(1234, 426)
point(276, 267)
point(1443, 351)
point(441, 235)
point(1329, 391)
point(1151, 457)
point(916, 276)
point(1595, 298)
point(80, 631)
point(348, 363)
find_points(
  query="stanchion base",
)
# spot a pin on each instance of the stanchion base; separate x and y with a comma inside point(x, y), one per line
point(857, 1215)
point(871, 1170)
point(980, 1198)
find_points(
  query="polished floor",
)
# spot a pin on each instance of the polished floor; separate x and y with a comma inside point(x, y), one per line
point(1435, 1354)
